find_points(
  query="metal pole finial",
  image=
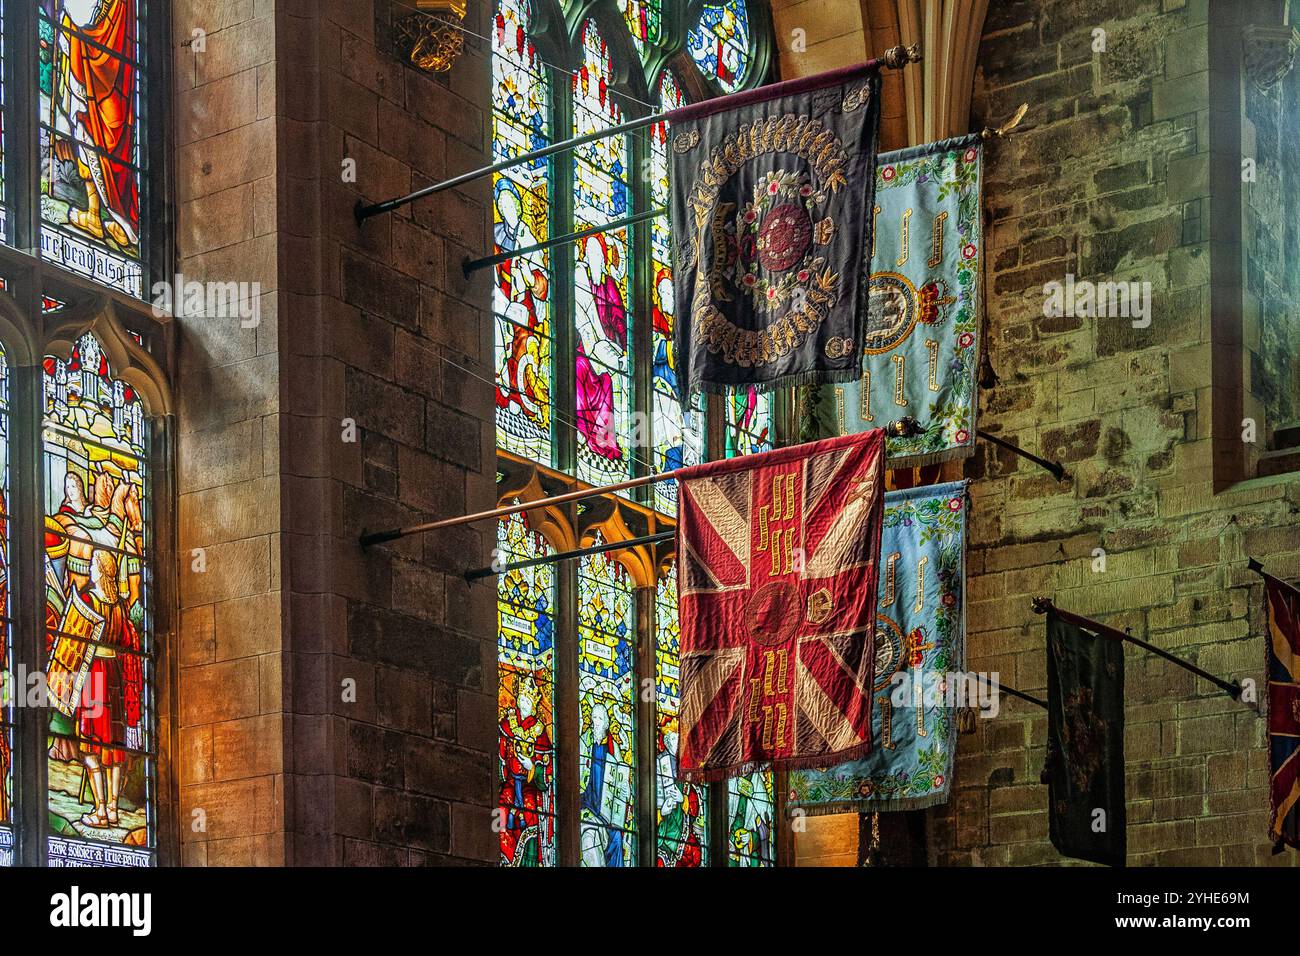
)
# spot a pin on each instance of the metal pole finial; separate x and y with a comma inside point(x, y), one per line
point(897, 57)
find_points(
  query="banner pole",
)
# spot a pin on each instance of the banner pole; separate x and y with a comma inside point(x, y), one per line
point(1055, 467)
point(473, 265)
point(1253, 565)
point(895, 58)
point(902, 427)
point(1043, 604)
point(479, 573)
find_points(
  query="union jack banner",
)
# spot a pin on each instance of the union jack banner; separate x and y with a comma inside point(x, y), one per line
point(777, 568)
point(1283, 712)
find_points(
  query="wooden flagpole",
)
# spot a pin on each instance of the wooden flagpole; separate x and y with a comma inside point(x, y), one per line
point(901, 428)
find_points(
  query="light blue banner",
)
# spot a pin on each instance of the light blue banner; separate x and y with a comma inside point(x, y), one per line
point(920, 643)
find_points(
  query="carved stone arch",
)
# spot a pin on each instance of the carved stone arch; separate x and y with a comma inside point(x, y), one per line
point(128, 360)
point(665, 555)
point(551, 522)
point(18, 334)
point(615, 520)
point(692, 85)
point(549, 31)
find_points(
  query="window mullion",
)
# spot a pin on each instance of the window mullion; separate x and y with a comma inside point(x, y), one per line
point(568, 735)
point(27, 509)
point(641, 280)
point(647, 726)
point(562, 266)
point(22, 167)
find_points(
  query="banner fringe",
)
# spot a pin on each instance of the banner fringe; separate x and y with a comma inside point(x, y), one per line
point(779, 765)
point(929, 458)
point(812, 377)
point(891, 805)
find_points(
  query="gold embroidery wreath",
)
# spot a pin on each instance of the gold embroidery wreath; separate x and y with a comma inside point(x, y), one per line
point(810, 140)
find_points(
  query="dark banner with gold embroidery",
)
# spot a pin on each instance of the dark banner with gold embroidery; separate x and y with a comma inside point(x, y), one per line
point(771, 236)
point(1084, 771)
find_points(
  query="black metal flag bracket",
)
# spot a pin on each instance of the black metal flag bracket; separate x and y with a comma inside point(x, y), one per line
point(901, 427)
point(470, 266)
point(1004, 689)
point(1044, 604)
point(895, 58)
point(1055, 467)
point(480, 573)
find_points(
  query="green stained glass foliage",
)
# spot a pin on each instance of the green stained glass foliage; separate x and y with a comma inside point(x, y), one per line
point(751, 815)
point(644, 19)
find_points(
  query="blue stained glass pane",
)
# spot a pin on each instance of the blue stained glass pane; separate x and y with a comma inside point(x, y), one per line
point(719, 43)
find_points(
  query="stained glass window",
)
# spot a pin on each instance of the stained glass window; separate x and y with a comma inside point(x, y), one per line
point(719, 43)
point(585, 299)
point(6, 632)
point(677, 441)
point(521, 295)
point(526, 697)
point(99, 627)
point(751, 805)
point(644, 20)
point(749, 422)
point(681, 839)
point(89, 61)
point(606, 762)
point(603, 359)
point(751, 812)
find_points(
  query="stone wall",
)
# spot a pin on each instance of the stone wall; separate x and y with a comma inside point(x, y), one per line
point(1109, 182)
point(229, 759)
point(336, 707)
point(399, 770)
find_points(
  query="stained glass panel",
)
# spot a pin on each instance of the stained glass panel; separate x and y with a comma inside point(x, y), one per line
point(600, 291)
point(644, 20)
point(751, 810)
point(526, 697)
point(678, 440)
point(719, 43)
point(90, 138)
point(99, 627)
point(681, 839)
point(606, 628)
point(521, 299)
point(7, 688)
point(749, 422)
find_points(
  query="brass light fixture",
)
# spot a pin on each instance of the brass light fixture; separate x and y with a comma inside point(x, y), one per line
point(432, 43)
